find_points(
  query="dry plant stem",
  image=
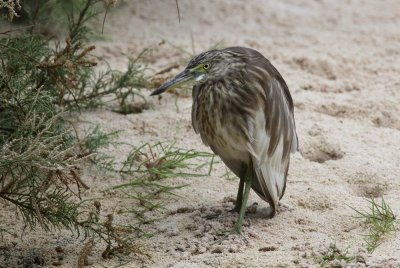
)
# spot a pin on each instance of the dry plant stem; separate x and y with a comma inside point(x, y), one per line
point(12, 6)
point(84, 253)
point(17, 29)
point(177, 8)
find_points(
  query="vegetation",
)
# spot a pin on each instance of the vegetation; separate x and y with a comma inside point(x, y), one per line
point(380, 221)
point(39, 155)
point(333, 257)
point(42, 83)
point(147, 167)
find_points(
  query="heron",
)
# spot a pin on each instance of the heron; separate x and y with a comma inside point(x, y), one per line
point(243, 111)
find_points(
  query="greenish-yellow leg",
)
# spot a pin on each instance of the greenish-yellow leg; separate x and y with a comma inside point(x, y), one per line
point(247, 180)
point(239, 197)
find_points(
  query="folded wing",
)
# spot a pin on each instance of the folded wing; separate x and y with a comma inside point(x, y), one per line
point(272, 129)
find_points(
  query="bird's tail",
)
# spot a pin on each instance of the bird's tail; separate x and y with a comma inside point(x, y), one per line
point(269, 182)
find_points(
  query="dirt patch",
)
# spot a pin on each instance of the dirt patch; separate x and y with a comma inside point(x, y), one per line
point(318, 149)
point(386, 119)
point(318, 67)
point(314, 201)
point(338, 110)
point(368, 185)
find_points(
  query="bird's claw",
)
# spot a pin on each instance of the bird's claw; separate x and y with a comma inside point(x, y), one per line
point(224, 234)
point(235, 209)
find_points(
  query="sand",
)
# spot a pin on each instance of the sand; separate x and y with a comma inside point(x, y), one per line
point(341, 61)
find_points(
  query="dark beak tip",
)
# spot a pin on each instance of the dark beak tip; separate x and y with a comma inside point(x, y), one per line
point(158, 91)
point(171, 83)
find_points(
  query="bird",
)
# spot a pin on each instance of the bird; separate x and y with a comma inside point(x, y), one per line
point(244, 112)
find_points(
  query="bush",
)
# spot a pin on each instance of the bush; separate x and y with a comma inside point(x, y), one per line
point(40, 154)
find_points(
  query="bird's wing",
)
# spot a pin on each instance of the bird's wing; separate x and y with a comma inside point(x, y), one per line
point(272, 128)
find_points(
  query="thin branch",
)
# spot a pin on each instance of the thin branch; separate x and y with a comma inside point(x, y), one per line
point(17, 29)
point(177, 8)
point(105, 15)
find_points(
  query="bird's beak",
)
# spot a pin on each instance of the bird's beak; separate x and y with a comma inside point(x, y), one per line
point(174, 82)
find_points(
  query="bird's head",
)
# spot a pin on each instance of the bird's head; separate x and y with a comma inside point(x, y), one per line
point(209, 65)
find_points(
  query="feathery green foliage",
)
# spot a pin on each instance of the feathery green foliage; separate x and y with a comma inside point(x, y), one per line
point(161, 160)
point(148, 165)
point(40, 154)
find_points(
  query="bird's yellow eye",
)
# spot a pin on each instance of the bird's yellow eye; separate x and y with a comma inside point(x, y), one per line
point(206, 66)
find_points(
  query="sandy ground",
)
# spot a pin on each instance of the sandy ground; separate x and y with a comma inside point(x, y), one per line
point(341, 61)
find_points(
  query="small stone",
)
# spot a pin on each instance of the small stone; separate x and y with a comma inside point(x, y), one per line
point(217, 250)
point(179, 248)
point(184, 210)
point(59, 249)
point(191, 227)
point(57, 263)
point(174, 231)
point(361, 258)
point(185, 255)
point(207, 228)
point(267, 248)
point(201, 249)
point(233, 249)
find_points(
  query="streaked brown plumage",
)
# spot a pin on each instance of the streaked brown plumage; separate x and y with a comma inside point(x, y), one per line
point(243, 110)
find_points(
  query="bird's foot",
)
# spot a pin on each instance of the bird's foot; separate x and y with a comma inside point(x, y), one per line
point(226, 233)
point(236, 230)
point(236, 209)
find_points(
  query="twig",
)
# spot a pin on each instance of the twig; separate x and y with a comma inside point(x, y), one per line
point(105, 15)
point(17, 29)
point(167, 69)
point(85, 251)
point(177, 8)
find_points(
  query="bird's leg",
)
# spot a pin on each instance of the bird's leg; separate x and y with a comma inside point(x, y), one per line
point(239, 197)
point(247, 180)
